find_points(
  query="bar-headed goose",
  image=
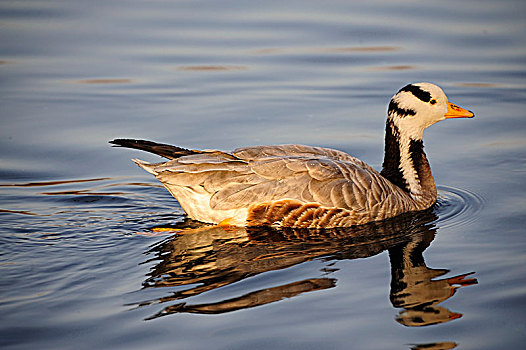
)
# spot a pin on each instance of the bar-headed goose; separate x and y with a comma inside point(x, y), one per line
point(304, 186)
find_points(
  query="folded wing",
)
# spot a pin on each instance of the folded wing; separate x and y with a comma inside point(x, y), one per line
point(260, 174)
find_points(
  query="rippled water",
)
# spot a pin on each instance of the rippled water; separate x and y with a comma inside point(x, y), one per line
point(96, 254)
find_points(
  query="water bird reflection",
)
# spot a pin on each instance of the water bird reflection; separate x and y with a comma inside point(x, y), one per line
point(200, 259)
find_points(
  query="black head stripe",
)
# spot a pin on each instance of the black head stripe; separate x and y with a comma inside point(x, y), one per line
point(418, 92)
point(402, 112)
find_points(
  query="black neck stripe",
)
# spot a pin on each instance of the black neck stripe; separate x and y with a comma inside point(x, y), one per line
point(391, 165)
point(418, 92)
point(416, 150)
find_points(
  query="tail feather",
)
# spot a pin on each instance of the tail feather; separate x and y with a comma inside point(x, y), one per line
point(161, 149)
point(146, 166)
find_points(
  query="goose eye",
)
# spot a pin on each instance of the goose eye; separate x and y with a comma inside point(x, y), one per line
point(433, 101)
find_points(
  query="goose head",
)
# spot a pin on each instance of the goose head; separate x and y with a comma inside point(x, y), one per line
point(419, 105)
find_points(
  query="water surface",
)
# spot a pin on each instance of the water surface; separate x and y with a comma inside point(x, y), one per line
point(96, 254)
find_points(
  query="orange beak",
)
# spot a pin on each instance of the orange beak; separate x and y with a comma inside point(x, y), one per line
point(454, 111)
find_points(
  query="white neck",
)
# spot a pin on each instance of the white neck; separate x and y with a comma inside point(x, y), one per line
point(405, 165)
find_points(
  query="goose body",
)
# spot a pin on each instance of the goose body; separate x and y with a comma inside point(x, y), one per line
point(304, 186)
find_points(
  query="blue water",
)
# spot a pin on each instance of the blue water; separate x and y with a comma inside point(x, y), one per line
point(94, 253)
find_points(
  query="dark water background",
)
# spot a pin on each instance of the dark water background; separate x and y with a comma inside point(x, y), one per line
point(91, 255)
